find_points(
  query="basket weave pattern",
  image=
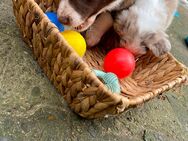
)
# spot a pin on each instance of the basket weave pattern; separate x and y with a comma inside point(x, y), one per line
point(73, 76)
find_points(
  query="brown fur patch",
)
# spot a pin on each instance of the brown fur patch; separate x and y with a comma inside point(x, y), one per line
point(86, 8)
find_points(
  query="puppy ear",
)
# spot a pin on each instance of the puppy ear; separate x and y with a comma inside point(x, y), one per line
point(158, 43)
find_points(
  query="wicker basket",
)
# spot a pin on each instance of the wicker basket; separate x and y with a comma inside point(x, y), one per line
point(73, 76)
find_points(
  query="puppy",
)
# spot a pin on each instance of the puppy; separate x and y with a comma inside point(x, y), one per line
point(143, 26)
point(140, 27)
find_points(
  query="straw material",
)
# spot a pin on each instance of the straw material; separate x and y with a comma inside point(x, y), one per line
point(73, 76)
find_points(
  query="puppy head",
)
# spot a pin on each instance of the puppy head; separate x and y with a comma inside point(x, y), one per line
point(80, 14)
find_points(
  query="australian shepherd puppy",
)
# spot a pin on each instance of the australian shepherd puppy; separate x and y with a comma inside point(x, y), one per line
point(140, 24)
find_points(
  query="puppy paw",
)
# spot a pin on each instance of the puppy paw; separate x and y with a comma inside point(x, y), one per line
point(158, 43)
point(92, 38)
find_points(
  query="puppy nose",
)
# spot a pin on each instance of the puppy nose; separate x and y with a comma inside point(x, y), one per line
point(65, 20)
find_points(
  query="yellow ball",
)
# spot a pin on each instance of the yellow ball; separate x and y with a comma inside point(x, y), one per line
point(76, 41)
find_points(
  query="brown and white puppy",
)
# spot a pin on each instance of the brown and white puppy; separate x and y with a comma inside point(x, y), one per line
point(143, 26)
point(140, 27)
point(80, 14)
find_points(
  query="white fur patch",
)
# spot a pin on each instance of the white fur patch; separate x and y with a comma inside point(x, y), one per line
point(152, 15)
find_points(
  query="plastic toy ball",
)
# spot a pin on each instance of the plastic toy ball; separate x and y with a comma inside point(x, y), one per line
point(53, 18)
point(76, 41)
point(120, 62)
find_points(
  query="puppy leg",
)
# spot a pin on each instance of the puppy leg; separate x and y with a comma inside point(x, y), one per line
point(158, 43)
point(97, 30)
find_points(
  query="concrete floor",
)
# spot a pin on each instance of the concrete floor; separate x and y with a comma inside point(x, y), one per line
point(32, 110)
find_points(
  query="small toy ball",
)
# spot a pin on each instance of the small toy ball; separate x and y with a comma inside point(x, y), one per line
point(186, 41)
point(76, 41)
point(53, 18)
point(120, 62)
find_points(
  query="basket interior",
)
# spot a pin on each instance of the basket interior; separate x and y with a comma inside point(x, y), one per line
point(150, 75)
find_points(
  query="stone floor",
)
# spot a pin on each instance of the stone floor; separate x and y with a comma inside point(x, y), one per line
point(32, 110)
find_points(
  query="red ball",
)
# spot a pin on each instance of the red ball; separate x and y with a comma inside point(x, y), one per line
point(120, 62)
